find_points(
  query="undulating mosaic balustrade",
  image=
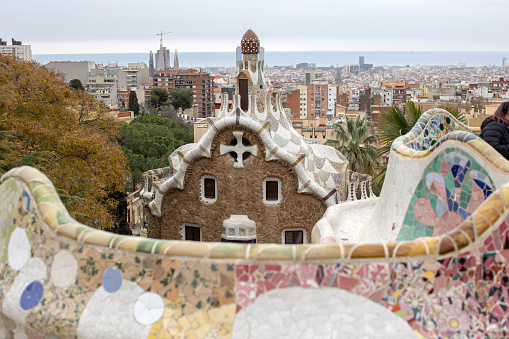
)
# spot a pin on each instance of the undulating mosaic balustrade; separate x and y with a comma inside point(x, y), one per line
point(438, 174)
point(63, 279)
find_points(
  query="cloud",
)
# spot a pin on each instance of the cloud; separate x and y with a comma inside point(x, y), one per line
point(132, 26)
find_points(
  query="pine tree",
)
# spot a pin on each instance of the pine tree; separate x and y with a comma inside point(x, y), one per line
point(181, 98)
point(133, 103)
point(76, 84)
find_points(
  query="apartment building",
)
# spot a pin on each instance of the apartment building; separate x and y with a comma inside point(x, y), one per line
point(292, 101)
point(501, 85)
point(108, 83)
point(17, 50)
point(332, 97)
point(73, 69)
point(317, 104)
point(312, 75)
point(102, 84)
point(303, 102)
point(397, 91)
point(342, 100)
point(200, 82)
point(134, 75)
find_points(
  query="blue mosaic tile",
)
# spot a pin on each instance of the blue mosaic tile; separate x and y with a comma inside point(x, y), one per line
point(112, 279)
point(31, 296)
point(443, 197)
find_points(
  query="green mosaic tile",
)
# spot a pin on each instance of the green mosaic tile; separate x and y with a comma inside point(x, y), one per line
point(145, 245)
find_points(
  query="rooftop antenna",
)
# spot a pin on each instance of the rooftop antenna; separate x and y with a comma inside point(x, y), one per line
point(161, 34)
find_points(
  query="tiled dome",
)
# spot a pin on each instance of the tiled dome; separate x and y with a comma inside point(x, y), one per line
point(250, 43)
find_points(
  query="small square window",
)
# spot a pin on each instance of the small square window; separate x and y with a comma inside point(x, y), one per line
point(192, 233)
point(294, 237)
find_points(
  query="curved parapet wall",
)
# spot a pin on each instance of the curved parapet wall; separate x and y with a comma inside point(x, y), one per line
point(437, 175)
point(437, 126)
point(66, 280)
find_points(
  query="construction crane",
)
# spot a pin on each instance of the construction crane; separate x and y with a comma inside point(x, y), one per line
point(161, 34)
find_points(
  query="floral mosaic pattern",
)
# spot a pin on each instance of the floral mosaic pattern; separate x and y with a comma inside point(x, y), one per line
point(452, 187)
point(464, 296)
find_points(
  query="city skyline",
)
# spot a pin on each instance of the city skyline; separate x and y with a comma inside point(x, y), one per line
point(58, 27)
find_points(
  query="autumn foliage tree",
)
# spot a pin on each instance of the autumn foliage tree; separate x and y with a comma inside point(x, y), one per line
point(68, 129)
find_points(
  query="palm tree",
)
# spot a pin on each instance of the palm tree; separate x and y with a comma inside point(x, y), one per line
point(394, 123)
point(356, 145)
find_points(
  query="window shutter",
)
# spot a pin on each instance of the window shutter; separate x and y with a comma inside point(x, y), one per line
point(210, 188)
point(192, 233)
point(271, 190)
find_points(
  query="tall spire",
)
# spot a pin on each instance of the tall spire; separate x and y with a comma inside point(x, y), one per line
point(151, 68)
point(176, 61)
point(251, 80)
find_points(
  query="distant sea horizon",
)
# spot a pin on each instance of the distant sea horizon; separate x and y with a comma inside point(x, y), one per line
point(321, 59)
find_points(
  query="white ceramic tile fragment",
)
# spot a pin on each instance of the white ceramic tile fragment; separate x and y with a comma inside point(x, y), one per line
point(323, 313)
point(64, 269)
point(111, 315)
point(18, 250)
point(149, 308)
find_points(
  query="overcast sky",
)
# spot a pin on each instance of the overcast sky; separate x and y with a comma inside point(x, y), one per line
point(127, 26)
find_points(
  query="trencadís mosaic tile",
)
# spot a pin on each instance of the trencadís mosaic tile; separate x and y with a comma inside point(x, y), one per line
point(452, 187)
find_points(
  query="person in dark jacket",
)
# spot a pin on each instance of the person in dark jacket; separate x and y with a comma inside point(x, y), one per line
point(495, 130)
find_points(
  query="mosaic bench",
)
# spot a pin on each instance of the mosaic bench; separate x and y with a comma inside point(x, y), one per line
point(438, 174)
point(65, 280)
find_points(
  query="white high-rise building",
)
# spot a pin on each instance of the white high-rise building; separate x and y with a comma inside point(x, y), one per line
point(238, 54)
point(332, 97)
point(303, 102)
point(17, 49)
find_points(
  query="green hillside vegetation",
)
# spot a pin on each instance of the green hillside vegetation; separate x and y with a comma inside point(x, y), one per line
point(148, 141)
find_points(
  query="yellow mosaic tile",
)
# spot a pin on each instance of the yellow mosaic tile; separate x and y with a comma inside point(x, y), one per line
point(184, 323)
point(127, 244)
point(182, 248)
point(202, 331)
